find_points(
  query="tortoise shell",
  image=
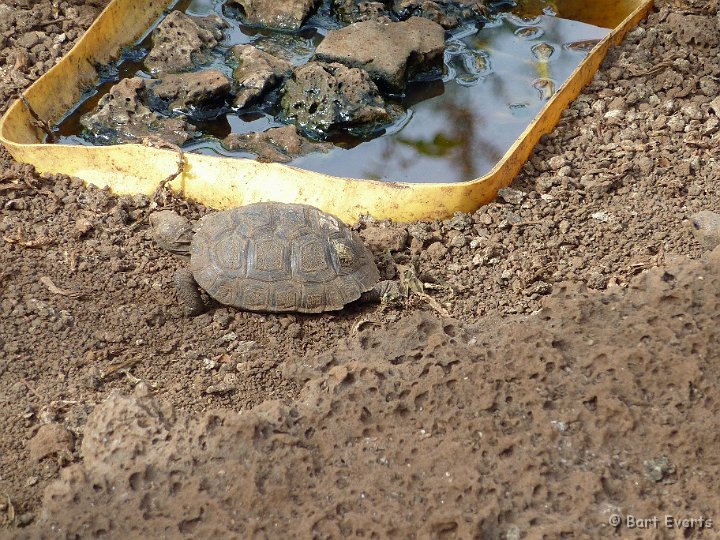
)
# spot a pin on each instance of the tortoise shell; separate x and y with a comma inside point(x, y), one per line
point(280, 257)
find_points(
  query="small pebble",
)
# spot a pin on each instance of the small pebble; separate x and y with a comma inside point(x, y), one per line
point(511, 196)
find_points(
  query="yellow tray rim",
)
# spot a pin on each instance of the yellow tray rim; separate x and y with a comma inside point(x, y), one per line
point(221, 182)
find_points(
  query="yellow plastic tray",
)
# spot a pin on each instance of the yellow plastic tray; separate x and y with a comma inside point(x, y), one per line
point(227, 182)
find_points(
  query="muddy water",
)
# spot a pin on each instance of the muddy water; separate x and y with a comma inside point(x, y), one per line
point(498, 77)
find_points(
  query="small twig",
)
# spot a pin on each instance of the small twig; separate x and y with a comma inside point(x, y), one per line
point(46, 191)
point(42, 124)
point(45, 280)
point(29, 387)
point(660, 257)
point(662, 66)
point(357, 327)
point(413, 286)
point(49, 23)
point(9, 511)
point(433, 303)
point(132, 378)
point(159, 143)
point(525, 223)
point(40, 242)
point(119, 367)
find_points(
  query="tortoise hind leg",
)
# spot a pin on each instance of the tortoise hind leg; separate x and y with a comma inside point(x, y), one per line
point(188, 293)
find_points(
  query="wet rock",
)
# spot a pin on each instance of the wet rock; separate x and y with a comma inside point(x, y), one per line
point(351, 11)
point(279, 14)
point(447, 13)
point(392, 53)
point(274, 145)
point(256, 74)
point(51, 439)
point(121, 116)
point(706, 229)
point(294, 48)
point(321, 98)
point(181, 42)
point(198, 93)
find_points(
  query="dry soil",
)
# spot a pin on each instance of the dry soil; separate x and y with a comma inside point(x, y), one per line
point(572, 376)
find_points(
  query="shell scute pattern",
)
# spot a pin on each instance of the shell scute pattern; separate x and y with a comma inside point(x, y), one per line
point(280, 257)
point(311, 260)
point(268, 259)
point(312, 297)
point(256, 296)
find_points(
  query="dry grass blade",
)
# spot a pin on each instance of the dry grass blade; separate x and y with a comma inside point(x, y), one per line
point(9, 517)
point(40, 242)
point(662, 66)
point(45, 280)
point(358, 326)
point(159, 143)
point(410, 284)
point(119, 367)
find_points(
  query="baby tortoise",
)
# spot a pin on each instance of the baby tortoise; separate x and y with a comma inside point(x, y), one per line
point(271, 257)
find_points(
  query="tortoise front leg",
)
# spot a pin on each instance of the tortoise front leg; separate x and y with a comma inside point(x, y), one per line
point(386, 291)
point(188, 292)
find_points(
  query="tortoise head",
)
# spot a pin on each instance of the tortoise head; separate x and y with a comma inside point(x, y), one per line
point(171, 231)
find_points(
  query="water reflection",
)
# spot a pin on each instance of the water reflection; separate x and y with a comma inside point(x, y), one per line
point(496, 80)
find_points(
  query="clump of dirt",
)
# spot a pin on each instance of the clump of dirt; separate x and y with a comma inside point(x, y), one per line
point(543, 406)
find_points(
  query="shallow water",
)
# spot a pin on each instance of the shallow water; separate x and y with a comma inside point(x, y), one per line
point(498, 77)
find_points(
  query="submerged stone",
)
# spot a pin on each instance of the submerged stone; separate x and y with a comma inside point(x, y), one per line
point(256, 74)
point(293, 47)
point(351, 11)
point(279, 145)
point(321, 98)
point(121, 116)
point(181, 42)
point(278, 14)
point(391, 52)
point(447, 13)
point(198, 93)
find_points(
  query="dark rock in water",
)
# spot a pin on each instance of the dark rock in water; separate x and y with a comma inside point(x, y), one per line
point(292, 47)
point(278, 14)
point(322, 98)
point(351, 11)
point(181, 42)
point(392, 53)
point(447, 13)
point(256, 74)
point(123, 117)
point(274, 145)
point(201, 93)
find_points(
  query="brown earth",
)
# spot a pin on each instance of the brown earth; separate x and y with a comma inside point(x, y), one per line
point(573, 380)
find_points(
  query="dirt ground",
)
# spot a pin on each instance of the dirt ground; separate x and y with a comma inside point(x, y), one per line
point(575, 378)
